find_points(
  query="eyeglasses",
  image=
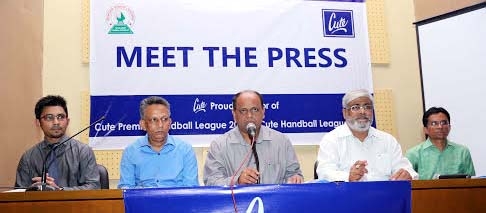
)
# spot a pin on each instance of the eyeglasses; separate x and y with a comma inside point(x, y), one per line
point(439, 123)
point(357, 108)
point(252, 110)
point(51, 117)
point(155, 120)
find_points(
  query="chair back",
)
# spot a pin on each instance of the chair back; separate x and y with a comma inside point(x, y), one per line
point(104, 179)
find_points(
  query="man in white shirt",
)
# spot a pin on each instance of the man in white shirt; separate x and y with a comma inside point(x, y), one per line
point(355, 151)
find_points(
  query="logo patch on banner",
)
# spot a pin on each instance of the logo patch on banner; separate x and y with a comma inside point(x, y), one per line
point(338, 23)
point(120, 19)
point(199, 106)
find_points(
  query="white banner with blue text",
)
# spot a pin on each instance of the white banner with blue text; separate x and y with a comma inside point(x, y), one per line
point(302, 56)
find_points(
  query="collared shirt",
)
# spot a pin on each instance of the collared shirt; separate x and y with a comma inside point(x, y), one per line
point(340, 149)
point(276, 154)
point(76, 165)
point(429, 161)
point(173, 166)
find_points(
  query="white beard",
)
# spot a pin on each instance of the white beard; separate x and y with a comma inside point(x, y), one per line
point(356, 125)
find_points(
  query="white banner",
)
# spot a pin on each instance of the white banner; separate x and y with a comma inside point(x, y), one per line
point(301, 55)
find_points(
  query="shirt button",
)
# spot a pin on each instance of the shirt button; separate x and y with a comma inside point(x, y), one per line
point(158, 153)
point(157, 181)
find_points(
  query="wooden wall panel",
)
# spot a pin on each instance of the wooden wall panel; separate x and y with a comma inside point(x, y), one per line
point(20, 80)
point(431, 8)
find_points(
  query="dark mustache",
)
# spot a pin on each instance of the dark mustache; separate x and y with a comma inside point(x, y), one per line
point(56, 128)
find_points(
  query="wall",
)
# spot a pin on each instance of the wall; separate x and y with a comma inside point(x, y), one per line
point(20, 87)
point(431, 8)
point(402, 74)
point(63, 73)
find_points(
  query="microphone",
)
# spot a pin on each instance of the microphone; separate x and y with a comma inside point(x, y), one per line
point(251, 130)
point(44, 186)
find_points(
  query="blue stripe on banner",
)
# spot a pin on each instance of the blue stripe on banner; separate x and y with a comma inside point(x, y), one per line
point(211, 114)
point(375, 197)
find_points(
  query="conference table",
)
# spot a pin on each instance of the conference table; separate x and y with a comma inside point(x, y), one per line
point(449, 195)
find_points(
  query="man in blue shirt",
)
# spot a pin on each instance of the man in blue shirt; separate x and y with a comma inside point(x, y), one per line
point(157, 159)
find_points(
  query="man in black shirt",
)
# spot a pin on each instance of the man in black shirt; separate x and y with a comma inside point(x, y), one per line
point(70, 166)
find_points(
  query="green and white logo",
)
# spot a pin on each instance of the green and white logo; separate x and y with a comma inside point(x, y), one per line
point(121, 19)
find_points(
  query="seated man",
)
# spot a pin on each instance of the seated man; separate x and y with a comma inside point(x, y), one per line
point(227, 154)
point(70, 166)
point(157, 159)
point(437, 155)
point(355, 151)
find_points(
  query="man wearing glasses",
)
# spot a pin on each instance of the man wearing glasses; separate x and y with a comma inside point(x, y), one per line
point(355, 151)
point(157, 159)
point(71, 165)
point(437, 155)
point(232, 159)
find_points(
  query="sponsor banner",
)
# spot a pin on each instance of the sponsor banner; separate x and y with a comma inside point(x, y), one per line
point(301, 55)
point(201, 118)
point(190, 114)
point(375, 197)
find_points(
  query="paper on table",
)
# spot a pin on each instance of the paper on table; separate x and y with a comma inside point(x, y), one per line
point(15, 190)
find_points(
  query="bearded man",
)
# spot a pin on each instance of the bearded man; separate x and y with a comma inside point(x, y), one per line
point(356, 151)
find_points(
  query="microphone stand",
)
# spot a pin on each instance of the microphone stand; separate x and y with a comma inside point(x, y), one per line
point(44, 166)
point(255, 154)
point(251, 130)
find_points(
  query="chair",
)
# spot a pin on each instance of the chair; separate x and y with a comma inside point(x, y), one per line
point(315, 170)
point(104, 180)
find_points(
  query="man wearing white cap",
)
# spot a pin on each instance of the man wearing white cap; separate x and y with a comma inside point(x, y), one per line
point(355, 151)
